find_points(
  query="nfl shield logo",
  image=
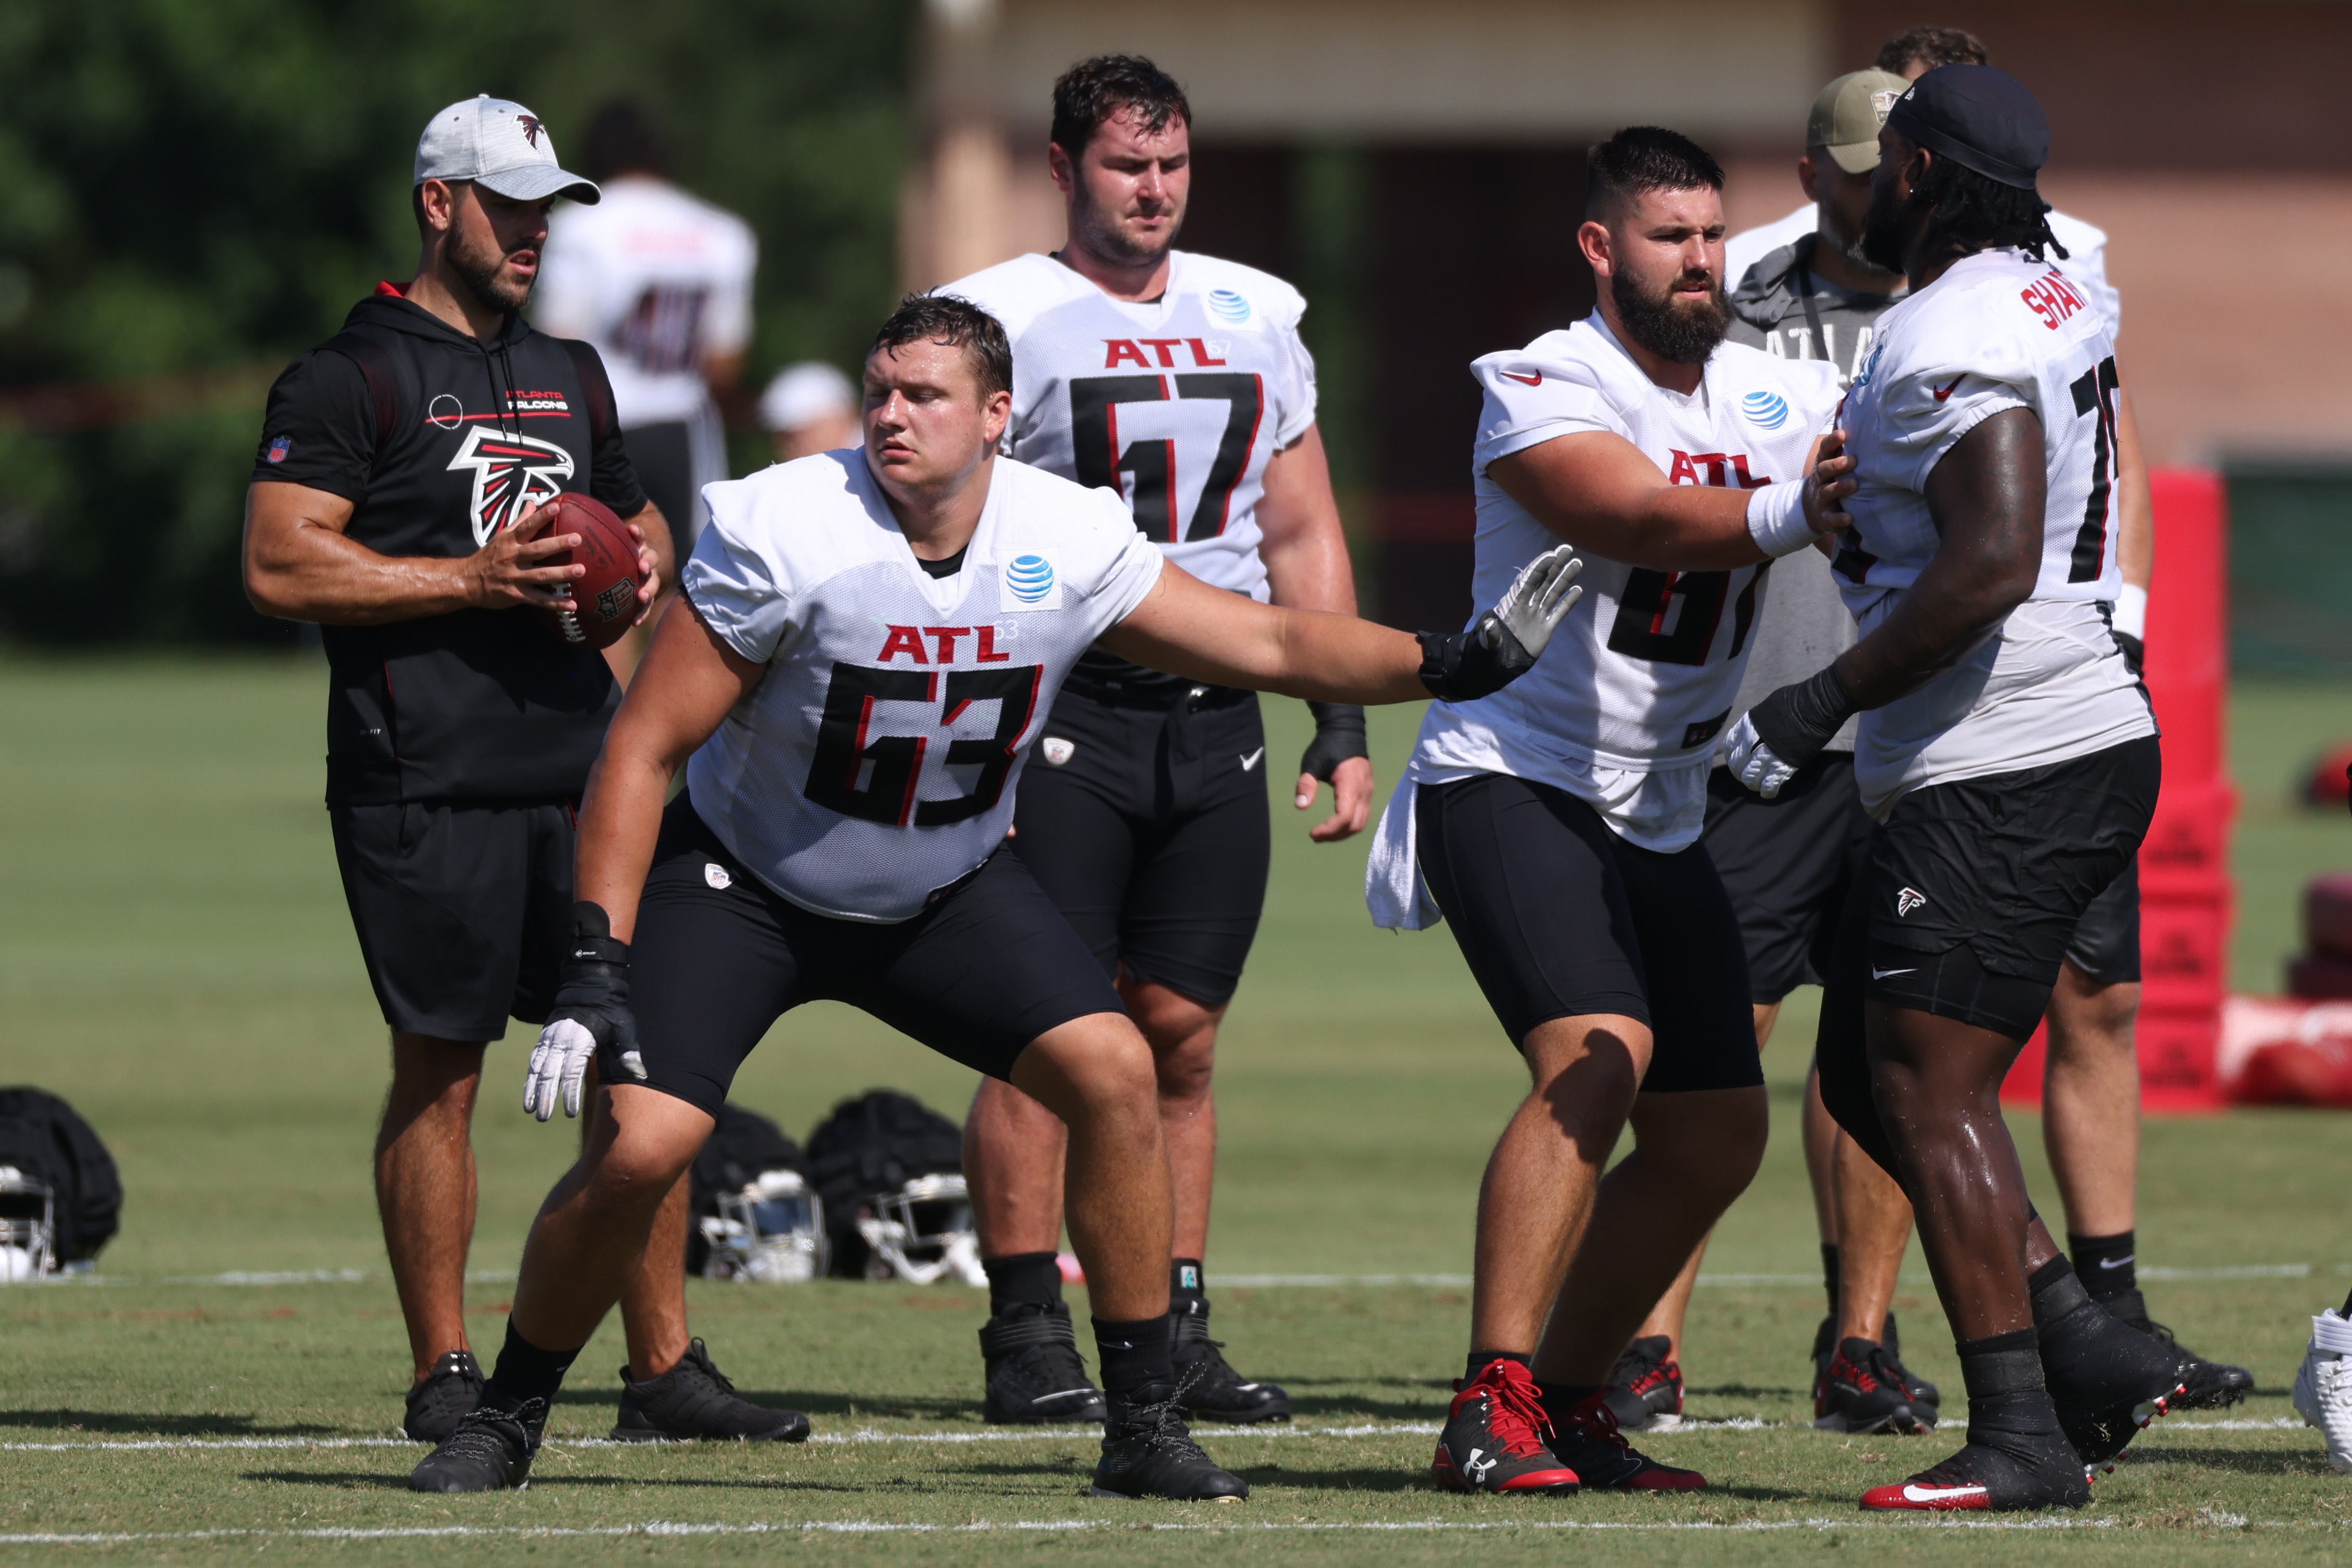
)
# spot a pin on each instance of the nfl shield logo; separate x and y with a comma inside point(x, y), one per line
point(280, 447)
point(1056, 750)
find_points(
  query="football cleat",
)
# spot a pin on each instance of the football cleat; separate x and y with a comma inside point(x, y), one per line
point(1034, 1375)
point(445, 1399)
point(1586, 1438)
point(2015, 1476)
point(2208, 1385)
point(1645, 1388)
point(1149, 1452)
point(1213, 1391)
point(1496, 1437)
point(2108, 1381)
point(692, 1401)
point(1861, 1392)
point(2323, 1387)
point(1922, 1396)
point(491, 1450)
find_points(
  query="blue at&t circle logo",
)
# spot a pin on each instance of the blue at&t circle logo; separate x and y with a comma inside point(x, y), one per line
point(1228, 307)
point(1765, 410)
point(1030, 577)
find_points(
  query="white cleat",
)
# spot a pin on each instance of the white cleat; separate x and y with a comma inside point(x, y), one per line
point(2323, 1387)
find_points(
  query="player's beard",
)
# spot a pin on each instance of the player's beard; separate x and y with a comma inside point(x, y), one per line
point(1670, 325)
point(1883, 243)
point(477, 267)
point(1105, 238)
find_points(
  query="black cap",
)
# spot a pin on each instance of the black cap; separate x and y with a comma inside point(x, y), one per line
point(1979, 118)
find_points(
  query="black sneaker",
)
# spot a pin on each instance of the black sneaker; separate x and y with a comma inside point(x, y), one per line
point(445, 1399)
point(1497, 1438)
point(1859, 1393)
point(1034, 1376)
point(2209, 1385)
point(1213, 1391)
point(2107, 1379)
point(1922, 1396)
point(1645, 1388)
point(1585, 1437)
point(491, 1450)
point(693, 1401)
point(2011, 1477)
point(1148, 1451)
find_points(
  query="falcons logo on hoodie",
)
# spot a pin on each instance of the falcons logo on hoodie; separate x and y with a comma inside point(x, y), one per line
point(512, 474)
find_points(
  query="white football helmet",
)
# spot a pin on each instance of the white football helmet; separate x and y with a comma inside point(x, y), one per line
point(922, 1233)
point(770, 1233)
point(28, 1227)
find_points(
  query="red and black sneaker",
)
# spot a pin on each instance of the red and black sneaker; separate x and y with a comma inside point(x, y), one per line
point(1645, 1387)
point(1496, 1437)
point(1585, 1437)
point(1861, 1392)
point(1998, 1479)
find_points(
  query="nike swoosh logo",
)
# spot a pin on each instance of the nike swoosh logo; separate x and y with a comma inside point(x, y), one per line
point(2122, 1262)
point(1533, 381)
point(1938, 1494)
point(1943, 392)
point(1251, 760)
point(1884, 974)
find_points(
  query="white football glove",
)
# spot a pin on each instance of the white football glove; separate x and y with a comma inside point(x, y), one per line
point(559, 1063)
point(1752, 762)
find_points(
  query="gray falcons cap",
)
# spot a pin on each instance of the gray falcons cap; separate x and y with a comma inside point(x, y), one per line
point(500, 144)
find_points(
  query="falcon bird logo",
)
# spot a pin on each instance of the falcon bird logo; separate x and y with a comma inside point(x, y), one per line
point(512, 474)
point(531, 126)
point(1907, 899)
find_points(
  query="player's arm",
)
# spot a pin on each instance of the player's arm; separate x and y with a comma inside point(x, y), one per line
point(686, 686)
point(1306, 567)
point(2135, 534)
point(1597, 490)
point(300, 564)
point(1187, 628)
point(1988, 499)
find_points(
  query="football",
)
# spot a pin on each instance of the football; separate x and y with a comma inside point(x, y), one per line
point(604, 603)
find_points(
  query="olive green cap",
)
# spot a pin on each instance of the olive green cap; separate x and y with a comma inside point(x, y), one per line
point(1846, 116)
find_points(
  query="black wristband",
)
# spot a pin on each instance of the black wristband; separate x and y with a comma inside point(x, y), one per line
point(1339, 736)
point(1338, 716)
point(592, 941)
point(1463, 666)
point(1797, 720)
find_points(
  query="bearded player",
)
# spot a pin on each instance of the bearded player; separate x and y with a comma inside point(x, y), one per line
point(1178, 381)
point(1557, 831)
point(2009, 753)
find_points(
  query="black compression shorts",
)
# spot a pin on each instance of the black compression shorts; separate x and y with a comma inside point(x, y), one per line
point(718, 958)
point(1559, 917)
point(464, 912)
point(2106, 940)
point(1147, 827)
point(1785, 863)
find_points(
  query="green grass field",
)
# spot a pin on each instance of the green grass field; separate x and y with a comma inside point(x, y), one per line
point(174, 957)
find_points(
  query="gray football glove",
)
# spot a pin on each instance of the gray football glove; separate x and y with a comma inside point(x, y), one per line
point(1504, 643)
point(591, 1019)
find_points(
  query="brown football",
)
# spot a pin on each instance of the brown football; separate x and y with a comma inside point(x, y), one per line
point(604, 603)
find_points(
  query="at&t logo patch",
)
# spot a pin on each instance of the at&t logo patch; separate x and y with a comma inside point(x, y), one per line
point(1030, 584)
point(1765, 410)
point(1228, 307)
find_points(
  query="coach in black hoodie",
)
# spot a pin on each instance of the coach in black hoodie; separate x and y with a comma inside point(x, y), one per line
point(395, 502)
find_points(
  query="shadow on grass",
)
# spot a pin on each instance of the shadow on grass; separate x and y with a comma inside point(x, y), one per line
point(2246, 1462)
point(810, 1401)
point(151, 1422)
point(365, 1480)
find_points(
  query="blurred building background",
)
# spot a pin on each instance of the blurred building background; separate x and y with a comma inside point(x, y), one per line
point(189, 197)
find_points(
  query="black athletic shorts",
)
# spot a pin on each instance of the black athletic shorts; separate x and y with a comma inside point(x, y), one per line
point(2107, 939)
point(1149, 833)
point(717, 959)
point(663, 455)
point(1787, 863)
point(463, 911)
point(1558, 916)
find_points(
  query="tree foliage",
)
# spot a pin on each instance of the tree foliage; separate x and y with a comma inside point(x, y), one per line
point(193, 191)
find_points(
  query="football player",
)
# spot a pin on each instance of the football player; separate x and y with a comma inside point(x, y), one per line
point(1555, 826)
point(2008, 752)
point(1178, 381)
point(868, 642)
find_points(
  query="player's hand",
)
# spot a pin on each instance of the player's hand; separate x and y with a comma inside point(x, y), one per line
point(1752, 762)
point(1506, 642)
point(1828, 482)
point(1787, 729)
point(1338, 757)
point(648, 574)
point(591, 1019)
point(512, 568)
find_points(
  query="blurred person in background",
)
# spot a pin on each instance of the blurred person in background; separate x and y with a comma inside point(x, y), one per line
point(808, 408)
point(660, 282)
point(1180, 382)
point(395, 502)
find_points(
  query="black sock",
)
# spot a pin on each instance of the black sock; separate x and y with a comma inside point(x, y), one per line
point(1829, 1273)
point(1480, 1359)
point(1133, 1355)
point(1188, 1287)
point(2007, 1398)
point(1023, 1277)
point(2058, 1294)
point(525, 1371)
point(2105, 1262)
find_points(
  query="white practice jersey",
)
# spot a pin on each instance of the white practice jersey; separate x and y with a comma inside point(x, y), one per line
point(1996, 331)
point(2086, 265)
point(659, 281)
point(1640, 679)
point(1177, 404)
point(873, 764)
